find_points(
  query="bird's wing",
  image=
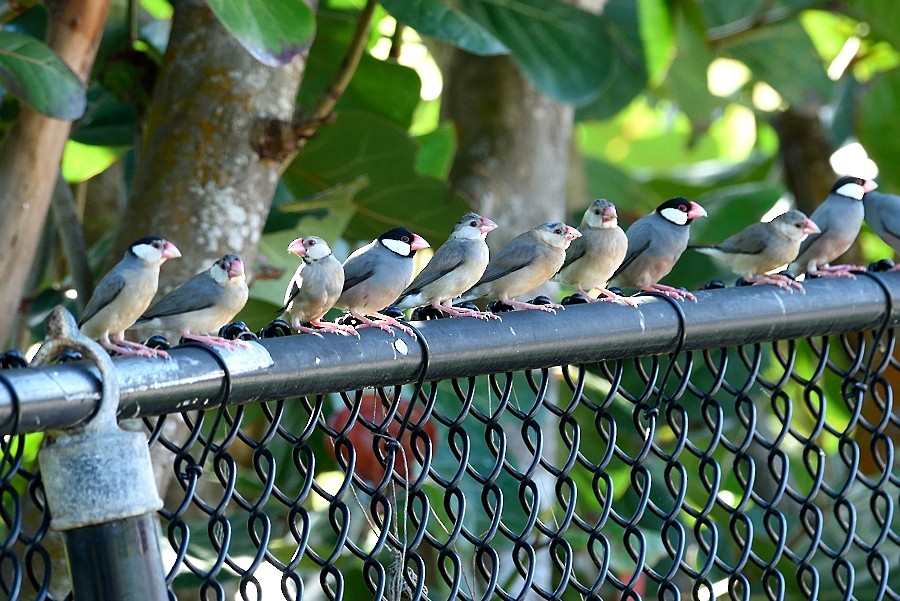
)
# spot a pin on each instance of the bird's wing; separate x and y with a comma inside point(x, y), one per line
point(106, 291)
point(295, 290)
point(511, 259)
point(438, 267)
point(576, 250)
point(631, 256)
point(749, 241)
point(351, 280)
point(198, 293)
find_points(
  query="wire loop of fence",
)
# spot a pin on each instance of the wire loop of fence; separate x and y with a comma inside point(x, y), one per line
point(741, 447)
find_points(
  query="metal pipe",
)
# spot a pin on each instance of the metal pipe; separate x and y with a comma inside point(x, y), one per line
point(117, 561)
point(63, 395)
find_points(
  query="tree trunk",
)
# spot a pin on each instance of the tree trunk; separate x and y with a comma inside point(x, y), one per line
point(199, 181)
point(30, 156)
point(513, 143)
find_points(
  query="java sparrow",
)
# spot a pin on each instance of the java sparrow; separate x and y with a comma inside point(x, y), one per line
point(453, 269)
point(203, 304)
point(839, 218)
point(315, 287)
point(764, 246)
point(124, 293)
point(883, 216)
point(655, 243)
point(592, 259)
point(526, 262)
point(376, 274)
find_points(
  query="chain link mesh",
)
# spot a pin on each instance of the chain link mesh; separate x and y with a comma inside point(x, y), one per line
point(764, 471)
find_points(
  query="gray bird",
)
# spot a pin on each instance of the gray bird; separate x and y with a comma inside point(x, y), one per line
point(315, 287)
point(839, 218)
point(762, 247)
point(203, 304)
point(453, 269)
point(883, 216)
point(655, 243)
point(592, 259)
point(124, 293)
point(376, 274)
point(527, 261)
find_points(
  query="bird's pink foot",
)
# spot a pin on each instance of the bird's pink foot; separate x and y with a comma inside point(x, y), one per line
point(776, 279)
point(464, 312)
point(549, 308)
point(382, 322)
point(334, 328)
point(610, 297)
point(216, 341)
point(669, 291)
point(128, 348)
point(837, 271)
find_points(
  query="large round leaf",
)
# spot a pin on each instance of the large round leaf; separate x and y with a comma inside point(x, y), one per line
point(36, 75)
point(273, 32)
point(567, 53)
point(445, 22)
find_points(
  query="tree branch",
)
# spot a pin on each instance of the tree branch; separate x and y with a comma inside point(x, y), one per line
point(765, 16)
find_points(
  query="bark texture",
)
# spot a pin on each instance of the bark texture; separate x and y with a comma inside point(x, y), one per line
point(199, 181)
point(30, 156)
point(513, 143)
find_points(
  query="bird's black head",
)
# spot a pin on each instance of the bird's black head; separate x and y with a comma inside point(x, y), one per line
point(154, 241)
point(402, 241)
point(853, 187)
point(680, 211)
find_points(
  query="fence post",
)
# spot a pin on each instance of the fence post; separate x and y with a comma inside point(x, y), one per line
point(99, 485)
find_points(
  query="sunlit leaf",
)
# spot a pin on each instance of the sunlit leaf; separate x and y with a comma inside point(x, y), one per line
point(882, 17)
point(687, 77)
point(273, 32)
point(444, 21)
point(81, 162)
point(879, 129)
point(36, 75)
point(438, 150)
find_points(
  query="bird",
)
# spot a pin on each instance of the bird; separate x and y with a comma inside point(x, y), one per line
point(376, 274)
point(202, 304)
point(526, 262)
point(764, 246)
point(315, 287)
point(453, 269)
point(592, 259)
point(124, 293)
point(839, 218)
point(655, 243)
point(882, 213)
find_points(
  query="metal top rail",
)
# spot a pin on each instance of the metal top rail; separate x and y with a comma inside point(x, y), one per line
point(64, 395)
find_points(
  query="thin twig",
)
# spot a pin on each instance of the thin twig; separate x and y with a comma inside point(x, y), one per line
point(71, 236)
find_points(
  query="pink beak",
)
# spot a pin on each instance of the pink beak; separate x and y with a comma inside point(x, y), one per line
point(418, 243)
point(572, 233)
point(296, 247)
point(869, 185)
point(609, 213)
point(236, 269)
point(170, 251)
point(811, 228)
point(487, 225)
point(696, 211)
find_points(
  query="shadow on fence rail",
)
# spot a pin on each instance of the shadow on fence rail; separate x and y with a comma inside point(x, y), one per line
point(741, 447)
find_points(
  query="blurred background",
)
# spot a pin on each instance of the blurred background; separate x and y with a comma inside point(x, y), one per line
point(238, 126)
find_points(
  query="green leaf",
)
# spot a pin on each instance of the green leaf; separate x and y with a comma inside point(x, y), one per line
point(878, 127)
point(628, 69)
point(273, 32)
point(567, 53)
point(687, 78)
point(438, 150)
point(445, 22)
point(30, 70)
point(107, 121)
point(381, 87)
point(362, 144)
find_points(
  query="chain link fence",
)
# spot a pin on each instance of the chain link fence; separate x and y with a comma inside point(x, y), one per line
point(742, 447)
